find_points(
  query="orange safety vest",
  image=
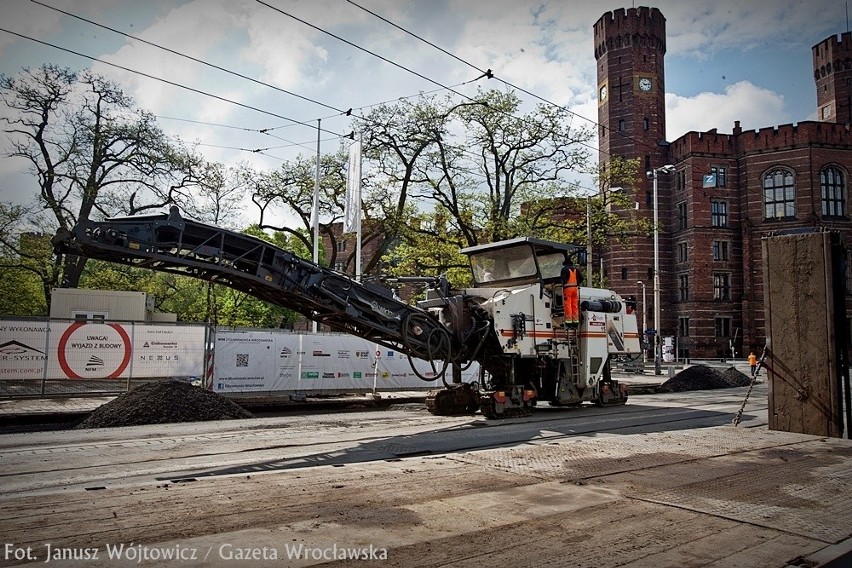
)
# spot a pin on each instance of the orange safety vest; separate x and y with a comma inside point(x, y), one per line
point(571, 297)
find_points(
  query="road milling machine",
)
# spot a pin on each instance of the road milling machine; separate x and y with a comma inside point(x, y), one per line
point(510, 321)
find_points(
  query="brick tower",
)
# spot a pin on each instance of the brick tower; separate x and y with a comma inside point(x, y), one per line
point(630, 45)
point(833, 76)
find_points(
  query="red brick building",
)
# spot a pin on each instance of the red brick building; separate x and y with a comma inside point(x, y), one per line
point(726, 192)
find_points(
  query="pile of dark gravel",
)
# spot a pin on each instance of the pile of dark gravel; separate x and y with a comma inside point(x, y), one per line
point(701, 377)
point(163, 402)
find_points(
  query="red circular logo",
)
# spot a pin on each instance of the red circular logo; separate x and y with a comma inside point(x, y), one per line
point(63, 344)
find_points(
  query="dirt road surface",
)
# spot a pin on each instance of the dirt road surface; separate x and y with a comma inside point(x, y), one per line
point(564, 490)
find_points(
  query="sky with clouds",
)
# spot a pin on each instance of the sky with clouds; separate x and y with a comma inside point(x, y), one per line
point(726, 60)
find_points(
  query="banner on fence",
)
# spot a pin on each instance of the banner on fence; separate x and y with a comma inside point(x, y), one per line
point(254, 361)
point(86, 350)
point(245, 361)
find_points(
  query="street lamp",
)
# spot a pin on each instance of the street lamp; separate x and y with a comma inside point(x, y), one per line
point(588, 240)
point(644, 351)
point(653, 174)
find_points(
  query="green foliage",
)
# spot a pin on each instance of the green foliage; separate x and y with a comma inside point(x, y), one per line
point(27, 268)
point(425, 249)
point(191, 299)
point(21, 293)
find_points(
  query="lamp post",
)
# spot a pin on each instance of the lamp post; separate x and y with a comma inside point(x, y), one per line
point(588, 240)
point(644, 351)
point(653, 174)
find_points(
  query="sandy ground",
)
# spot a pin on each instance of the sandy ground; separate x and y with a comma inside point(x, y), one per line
point(720, 496)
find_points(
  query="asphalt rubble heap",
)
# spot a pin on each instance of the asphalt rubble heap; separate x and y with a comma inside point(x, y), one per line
point(164, 402)
point(701, 377)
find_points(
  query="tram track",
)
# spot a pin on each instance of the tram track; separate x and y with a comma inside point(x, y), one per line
point(117, 458)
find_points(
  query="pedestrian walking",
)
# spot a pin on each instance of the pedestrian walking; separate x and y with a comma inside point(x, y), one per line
point(752, 360)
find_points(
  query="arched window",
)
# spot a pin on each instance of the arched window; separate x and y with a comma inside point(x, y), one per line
point(779, 194)
point(832, 189)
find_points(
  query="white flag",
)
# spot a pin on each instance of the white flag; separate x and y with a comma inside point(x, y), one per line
point(352, 211)
point(315, 211)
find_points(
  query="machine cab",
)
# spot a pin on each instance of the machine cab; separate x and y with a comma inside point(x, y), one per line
point(520, 262)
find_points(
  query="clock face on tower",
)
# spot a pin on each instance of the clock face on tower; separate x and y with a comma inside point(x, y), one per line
point(645, 84)
point(603, 93)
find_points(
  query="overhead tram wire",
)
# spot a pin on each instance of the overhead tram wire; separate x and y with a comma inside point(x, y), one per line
point(195, 59)
point(172, 83)
point(365, 50)
point(485, 74)
point(339, 112)
point(490, 75)
point(262, 151)
point(348, 112)
point(264, 131)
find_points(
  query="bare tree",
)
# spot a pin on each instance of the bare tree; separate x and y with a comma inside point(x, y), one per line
point(396, 138)
point(504, 162)
point(92, 153)
point(287, 195)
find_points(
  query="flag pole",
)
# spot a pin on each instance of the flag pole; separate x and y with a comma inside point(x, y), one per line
point(358, 217)
point(315, 210)
point(352, 209)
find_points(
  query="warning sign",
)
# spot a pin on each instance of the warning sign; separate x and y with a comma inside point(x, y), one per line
point(89, 351)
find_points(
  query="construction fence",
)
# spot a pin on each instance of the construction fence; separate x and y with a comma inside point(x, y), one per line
point(50, 357)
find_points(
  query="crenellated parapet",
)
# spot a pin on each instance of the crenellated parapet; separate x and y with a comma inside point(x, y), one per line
point(809, 133)
point(630, 27)
point(833, 54)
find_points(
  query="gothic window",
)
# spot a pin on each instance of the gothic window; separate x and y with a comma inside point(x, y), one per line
point(779, 194)
point(721, 286)
point(719, 174)
point(719, 213)
point(683, 287)
point(720, 250)
point(832, 191)
point(683, 326)
point(681, 215)
point(723, 327)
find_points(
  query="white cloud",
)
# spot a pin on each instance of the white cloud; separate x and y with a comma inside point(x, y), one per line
point(702, 29)
point(30, 19)
point(196, 29)
point(753, 106)
point(544, 46)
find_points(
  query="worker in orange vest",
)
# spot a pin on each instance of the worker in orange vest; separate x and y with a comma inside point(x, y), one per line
point(752, 360)
point(571, 280)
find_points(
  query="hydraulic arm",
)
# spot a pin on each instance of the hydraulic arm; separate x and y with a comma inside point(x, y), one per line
point(170, 243)
point(512, 321)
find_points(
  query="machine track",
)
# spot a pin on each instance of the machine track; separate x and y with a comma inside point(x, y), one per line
point(455, 400)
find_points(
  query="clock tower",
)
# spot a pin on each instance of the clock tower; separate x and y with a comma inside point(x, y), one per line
point(630, 45)
point(833, 76)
